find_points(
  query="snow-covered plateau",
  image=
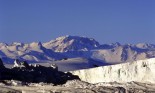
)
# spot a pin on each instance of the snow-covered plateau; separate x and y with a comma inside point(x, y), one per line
point(138, 71)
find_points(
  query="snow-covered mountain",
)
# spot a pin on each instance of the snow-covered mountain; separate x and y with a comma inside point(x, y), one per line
point(76, 46)
point(33, 52)
point(71, 43)
point(123, 53)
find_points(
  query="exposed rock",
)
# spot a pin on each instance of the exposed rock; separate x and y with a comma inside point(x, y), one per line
point(78, 84)
point(1, 64)
point(8, 90)
point(2, 67)
point(54, 66)
point(16, 83)
point(21, 71)
point(36, 65)
point(24, 64)
point(17, 63)
point(12, 83)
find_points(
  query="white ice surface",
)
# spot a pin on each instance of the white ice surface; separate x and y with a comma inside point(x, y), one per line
point(139, 71)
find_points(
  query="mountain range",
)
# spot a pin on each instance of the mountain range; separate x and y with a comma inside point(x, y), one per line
point(66, 47)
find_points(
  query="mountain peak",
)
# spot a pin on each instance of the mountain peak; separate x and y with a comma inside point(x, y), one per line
point(34, 44)
point(71, 43)
point(3, 44)
point(17, 44)
point(72, 37)
point(37, 46)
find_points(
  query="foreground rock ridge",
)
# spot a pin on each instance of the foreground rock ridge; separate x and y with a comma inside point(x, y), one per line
point(26, 73)
point(138, 71)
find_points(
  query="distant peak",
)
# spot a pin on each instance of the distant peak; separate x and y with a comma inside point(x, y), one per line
point(73, 37)
point(39, 43)
point(17, 43)
point(116, 44)
point(71, 43)
point(36, 44)
point(3, 44)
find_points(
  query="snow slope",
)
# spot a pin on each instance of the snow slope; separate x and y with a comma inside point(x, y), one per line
point(33, 52)
point(139, 71)
point(121, 54)
point(71, 43)
point(74, 64)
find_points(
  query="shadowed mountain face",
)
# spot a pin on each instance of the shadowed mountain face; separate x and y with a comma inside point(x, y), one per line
point(73, 47)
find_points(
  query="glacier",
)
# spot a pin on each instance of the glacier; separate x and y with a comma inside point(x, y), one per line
point(138, 71)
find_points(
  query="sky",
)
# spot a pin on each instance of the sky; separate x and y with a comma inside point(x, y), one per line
point(107, 21)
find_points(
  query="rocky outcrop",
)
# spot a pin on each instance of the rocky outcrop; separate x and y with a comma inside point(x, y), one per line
point(139, 71)
point(19, 64)
point(24, 72)
point(1, 64)
point(76, 86)
point(2, 67)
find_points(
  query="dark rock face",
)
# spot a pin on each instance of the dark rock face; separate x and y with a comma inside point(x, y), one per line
point(22, 71)
point(2, 67)
point(1, 64)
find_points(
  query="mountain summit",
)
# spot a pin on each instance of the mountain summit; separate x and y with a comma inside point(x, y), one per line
point(71, 43)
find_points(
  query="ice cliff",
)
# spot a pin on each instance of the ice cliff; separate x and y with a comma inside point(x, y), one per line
point(139, 71)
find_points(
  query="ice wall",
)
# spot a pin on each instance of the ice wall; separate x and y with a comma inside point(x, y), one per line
point(138, 71)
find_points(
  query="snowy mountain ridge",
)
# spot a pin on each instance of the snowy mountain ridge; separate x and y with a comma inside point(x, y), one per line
point(73, 47)
point(33, 52)
point(71, 43)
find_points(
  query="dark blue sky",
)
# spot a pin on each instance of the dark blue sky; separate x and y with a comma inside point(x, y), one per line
point(108, 21)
